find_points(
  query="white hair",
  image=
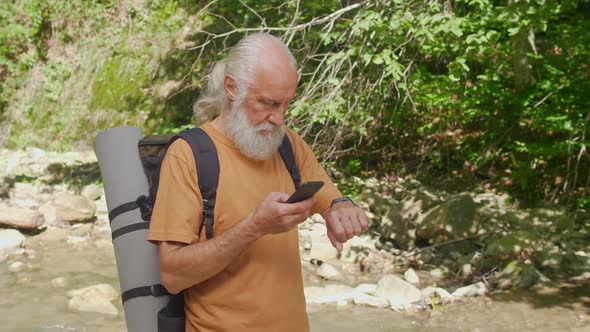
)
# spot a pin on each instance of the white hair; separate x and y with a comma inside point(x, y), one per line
point(240, 63)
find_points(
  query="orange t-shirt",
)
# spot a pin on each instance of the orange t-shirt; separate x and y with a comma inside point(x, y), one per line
point(262, 289)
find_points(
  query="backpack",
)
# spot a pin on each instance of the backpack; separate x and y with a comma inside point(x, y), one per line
point(151, 151)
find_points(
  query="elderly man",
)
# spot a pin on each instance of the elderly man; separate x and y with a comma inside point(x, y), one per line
point(248, 276)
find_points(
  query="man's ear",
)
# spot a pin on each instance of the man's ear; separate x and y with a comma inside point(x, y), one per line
point(231, 87)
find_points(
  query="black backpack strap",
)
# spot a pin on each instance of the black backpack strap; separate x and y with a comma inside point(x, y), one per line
point(153, 290)
point(286, 151)
point(207, 163)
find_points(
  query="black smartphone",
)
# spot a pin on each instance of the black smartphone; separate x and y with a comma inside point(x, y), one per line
point(305, 191)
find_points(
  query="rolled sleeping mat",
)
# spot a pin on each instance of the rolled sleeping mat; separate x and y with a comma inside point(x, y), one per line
point(126, 186)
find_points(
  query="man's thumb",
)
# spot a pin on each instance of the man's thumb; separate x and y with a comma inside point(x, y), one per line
point(279, 197)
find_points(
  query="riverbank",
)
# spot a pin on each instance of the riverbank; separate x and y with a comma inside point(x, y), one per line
point(420, 267)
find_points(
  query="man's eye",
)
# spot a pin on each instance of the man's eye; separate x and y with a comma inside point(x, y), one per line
point(271, 102)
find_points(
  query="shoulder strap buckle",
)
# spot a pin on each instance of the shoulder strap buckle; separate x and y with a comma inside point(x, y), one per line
point(145, 207)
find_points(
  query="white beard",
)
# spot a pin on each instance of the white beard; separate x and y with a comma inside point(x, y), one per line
point(248, 138)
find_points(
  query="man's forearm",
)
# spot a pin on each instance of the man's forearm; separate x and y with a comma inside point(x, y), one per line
point(182, 266)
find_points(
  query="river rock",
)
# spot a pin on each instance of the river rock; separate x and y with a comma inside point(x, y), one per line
point(92, 191)
point(25, 195)
point(330, 294)
point(5, 185)
point(492, 200)
point(582, 277)
point(428, 292)
point(95, 298)
point(59, 282)
point(437, 273)
point(445, 296)
point(372, 301)
point(518, 275)
point(35, 153)
point(16, 267)
point(318, 219)
point(456, 218)
point(411, 277)
point(329, 272)
point(77, 240)
point(21, 218)
point(74, 208)
point(398, 292)
point(466, 270)
point(510, 244)
point(357, 248)
point(376, 201)
point(10, 240)
point(431, 291)
point(477, 289)
point(403, 218)
point(49, 213)
point(367, 288)
point(321, 247)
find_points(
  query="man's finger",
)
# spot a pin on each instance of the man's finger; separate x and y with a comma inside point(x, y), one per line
point(337, 230)
point(364, 221)
point(296, 208)
point(278, 197)
point(335, 243)
point(348, 227)
point(356, 224)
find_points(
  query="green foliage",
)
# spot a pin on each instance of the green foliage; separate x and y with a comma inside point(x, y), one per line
point(452, 90)
point(118, 85)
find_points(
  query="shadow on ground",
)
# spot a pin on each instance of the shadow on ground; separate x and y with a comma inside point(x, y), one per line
point(566, 295)
point(75, 176)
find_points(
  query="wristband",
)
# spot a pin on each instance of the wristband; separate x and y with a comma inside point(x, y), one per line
point(342, 199)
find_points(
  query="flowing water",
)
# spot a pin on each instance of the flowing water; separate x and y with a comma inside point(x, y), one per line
point(30, 302)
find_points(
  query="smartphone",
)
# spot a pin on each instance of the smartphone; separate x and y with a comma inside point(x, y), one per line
point(305, 191)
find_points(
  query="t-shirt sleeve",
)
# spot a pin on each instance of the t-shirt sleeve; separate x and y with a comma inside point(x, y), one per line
point(311, 170)
point(178, 207)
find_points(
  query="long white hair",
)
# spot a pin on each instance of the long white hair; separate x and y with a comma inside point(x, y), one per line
point(240, 63)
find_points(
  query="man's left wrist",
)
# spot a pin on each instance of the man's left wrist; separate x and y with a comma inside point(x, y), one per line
point(342, 199)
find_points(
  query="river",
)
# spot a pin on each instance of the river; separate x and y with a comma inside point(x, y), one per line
point(30, 302)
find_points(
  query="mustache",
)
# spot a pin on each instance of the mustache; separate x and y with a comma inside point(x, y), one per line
point(266, 127)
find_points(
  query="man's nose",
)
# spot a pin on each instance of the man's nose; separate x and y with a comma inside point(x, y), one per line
point(277, 118)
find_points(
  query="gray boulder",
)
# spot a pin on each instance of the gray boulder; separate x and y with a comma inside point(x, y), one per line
point(25, 195)
point(430, 292)
point(92, 191)
point(74, 208)
point(517, 275)
point(321, 247)
point(21, 218)
point(372, 301)
point(477, 289)
point(49, 213)
point(329, 272)
point(95, 298)
point(330, 294)
point(403, 218)
point(456, 218)
point(398, 292)
point(512, 244)
point(411, 277)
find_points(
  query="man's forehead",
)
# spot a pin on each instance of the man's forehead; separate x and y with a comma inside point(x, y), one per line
point(279, 81)
point(270, 92)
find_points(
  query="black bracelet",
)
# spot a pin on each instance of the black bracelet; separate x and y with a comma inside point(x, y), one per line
point(341, 199)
